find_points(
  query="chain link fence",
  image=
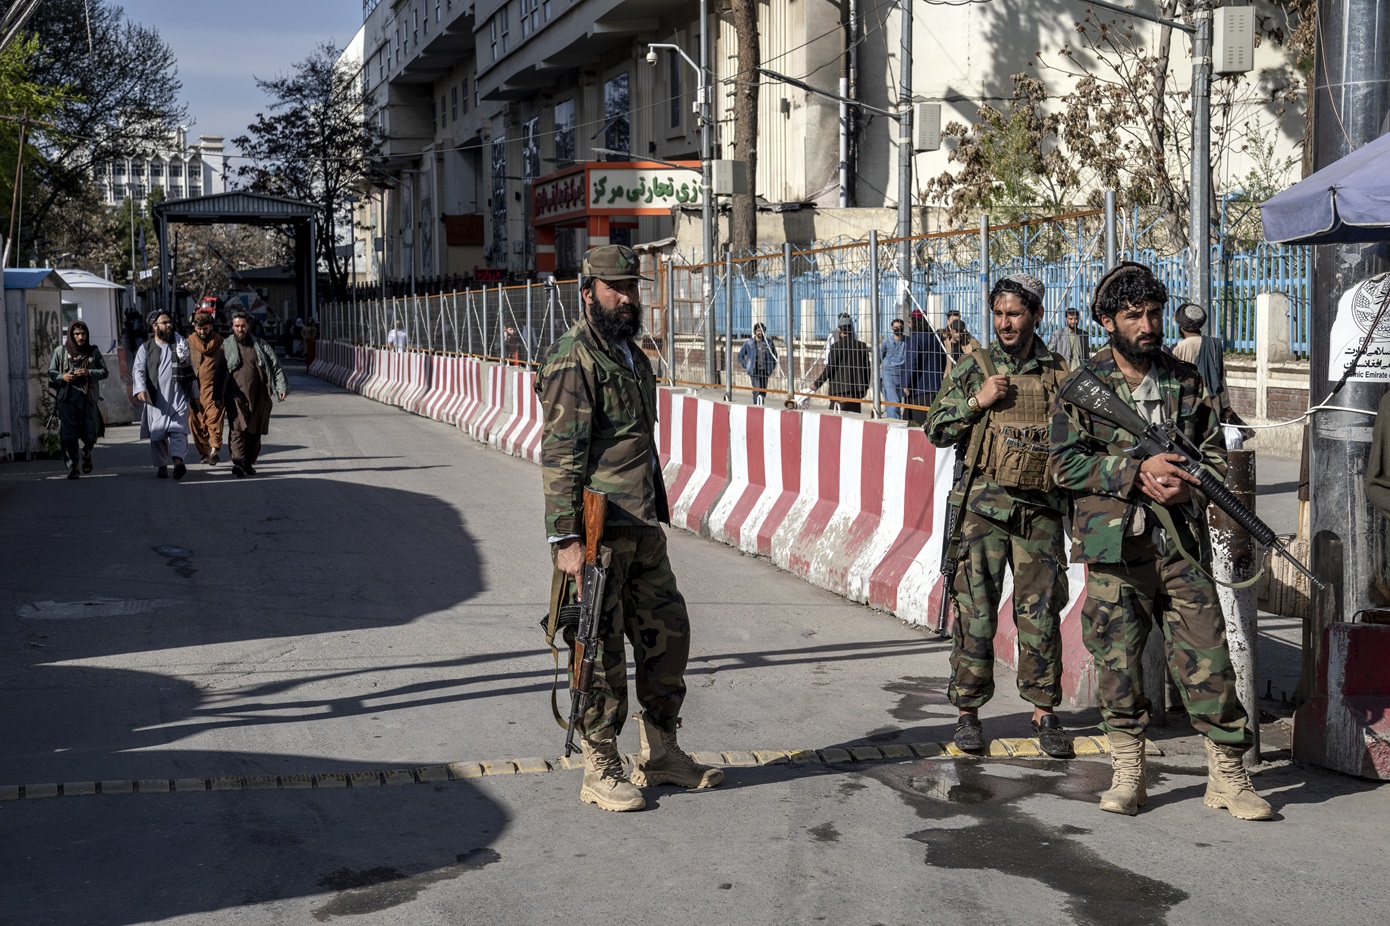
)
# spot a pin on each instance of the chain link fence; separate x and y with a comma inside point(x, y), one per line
point(826, 314)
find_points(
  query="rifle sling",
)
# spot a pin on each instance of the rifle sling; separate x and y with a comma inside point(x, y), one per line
point(559, 587)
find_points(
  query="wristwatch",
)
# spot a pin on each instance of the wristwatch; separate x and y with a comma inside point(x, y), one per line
point(973, 403)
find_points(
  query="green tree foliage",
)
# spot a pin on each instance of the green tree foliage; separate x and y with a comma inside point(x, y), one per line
point(26, 104)
point(122, 94)
point(1011, 164)
point(314, 145)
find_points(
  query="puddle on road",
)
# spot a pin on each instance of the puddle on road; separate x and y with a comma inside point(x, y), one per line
point(921, 698)
point(1004, 838)
point(376, 889)
point(180, 560)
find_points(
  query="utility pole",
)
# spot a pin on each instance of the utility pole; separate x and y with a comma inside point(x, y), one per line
point(905, 165)
point(707, 196)
point(1350, 104)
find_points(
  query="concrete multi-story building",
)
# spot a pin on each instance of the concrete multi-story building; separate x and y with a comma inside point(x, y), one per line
point(502, 118)
point(181, 169)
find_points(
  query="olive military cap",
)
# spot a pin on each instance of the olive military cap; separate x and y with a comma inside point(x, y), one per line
point(611, 263)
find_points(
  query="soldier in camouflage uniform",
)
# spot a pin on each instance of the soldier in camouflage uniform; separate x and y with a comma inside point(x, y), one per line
point(598, 395)
point(1136, 571)
point(1013, 515)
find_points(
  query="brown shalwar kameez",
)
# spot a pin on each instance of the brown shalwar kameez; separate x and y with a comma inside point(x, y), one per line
point(248, 407)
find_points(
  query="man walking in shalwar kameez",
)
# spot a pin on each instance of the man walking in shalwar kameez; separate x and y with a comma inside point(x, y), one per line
point(253, 376)
point(160, 380)
point(205, 418)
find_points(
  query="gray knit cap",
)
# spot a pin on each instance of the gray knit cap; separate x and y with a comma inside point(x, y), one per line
point(1029, 282)
point(1190, 316)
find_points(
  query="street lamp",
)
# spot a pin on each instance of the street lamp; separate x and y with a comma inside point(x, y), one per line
point(352, 201)
point(706, 205)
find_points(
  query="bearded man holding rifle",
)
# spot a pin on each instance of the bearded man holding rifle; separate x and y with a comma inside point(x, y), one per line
point(1139, 525)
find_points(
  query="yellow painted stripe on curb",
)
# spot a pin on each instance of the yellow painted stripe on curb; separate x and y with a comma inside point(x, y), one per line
point(1023, 748)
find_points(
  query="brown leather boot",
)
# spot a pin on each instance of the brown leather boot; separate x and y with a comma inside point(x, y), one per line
point(1128, 787)
point(605, 782)
point(663, 762)
point(1228, 784)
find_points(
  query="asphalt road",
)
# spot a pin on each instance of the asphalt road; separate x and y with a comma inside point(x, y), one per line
point(320, 695)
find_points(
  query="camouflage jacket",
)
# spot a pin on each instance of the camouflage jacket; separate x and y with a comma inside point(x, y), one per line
point(599, 432)
point(1104, 484)
point(951, 421)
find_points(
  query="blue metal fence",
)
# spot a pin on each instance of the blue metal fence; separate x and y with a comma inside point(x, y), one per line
point(945, 286)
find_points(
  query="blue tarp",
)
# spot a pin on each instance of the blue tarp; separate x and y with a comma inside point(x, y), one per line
point(1348, 200)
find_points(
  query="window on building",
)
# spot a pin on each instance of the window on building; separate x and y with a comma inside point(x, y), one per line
point(381, 64)
point(437, 13)
point(617, 134)
point(434, 114)
point(530, 17)
point(505, 15)
point(443, 110)
point(454, 103)
point(493, 39)
point(156, 170)
point(464, 84)
point(545, 9)
point(118, 168)
point(677, 115)
point(564, 130)
point(415, 25)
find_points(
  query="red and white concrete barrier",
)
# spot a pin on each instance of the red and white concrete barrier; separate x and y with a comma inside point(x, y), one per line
point(494, 404)
point(417, 382)
point(763, 480)
point(461, 411)
point(443, 385)
point(521, 435)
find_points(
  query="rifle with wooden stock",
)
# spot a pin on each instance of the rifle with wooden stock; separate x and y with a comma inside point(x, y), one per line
point(587, 642)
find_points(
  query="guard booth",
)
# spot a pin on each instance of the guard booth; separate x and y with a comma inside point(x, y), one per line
point(33, 327)
point(244, 208)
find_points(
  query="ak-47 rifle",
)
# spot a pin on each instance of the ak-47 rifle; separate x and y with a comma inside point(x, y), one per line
point(1090, 393)
point(586, 637)
point(955, 524)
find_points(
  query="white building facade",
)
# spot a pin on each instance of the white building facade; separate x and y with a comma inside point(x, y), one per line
point(182, 169)
point(502, 115)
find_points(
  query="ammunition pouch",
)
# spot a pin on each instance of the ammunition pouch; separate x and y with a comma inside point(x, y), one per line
point(1016, 439)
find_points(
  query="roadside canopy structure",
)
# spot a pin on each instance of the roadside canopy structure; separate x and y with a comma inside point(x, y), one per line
point(243, 208)
point(1347, 201)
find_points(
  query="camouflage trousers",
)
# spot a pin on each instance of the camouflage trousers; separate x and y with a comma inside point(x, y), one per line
point(1032, 545)
point(642, 604)
point(1122, 603)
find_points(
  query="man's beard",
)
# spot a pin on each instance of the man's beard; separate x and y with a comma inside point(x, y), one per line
point(1018, 348)
point(165, 336)
point(616, 324)
point(1135, 352)
point(244, 338)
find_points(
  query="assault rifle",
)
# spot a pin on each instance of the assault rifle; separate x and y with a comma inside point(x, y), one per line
point(955, 524)
point(586, 637)
point(1090, 393)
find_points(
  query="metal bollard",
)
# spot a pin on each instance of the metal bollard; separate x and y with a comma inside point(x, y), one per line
point(1234, 559)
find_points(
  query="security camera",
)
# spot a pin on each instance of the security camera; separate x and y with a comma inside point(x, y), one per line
point(651, 57)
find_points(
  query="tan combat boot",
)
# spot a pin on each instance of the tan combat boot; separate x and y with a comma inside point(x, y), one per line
point(1228, 784)
point(605, 784)
point(663, 762)
point(1128, 787)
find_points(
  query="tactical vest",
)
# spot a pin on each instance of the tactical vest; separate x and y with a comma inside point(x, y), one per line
point(1015, 448)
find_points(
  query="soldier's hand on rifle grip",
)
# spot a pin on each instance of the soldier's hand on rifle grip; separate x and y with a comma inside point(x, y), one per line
point(1161, 479)
point(994, 389)
point(569, 559)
